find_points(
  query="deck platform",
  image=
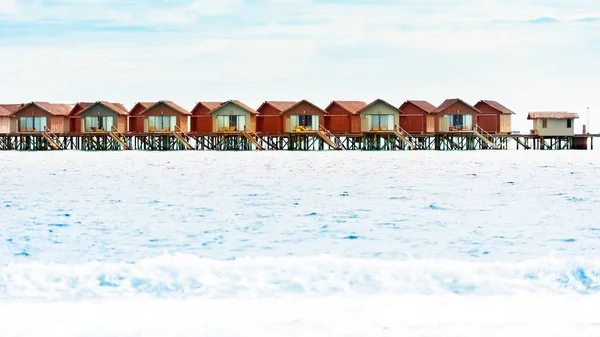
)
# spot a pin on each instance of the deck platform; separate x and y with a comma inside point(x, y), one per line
point(294, 141)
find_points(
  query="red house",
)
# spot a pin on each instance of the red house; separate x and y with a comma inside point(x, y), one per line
point(455, 115)
point(270, 118)
point(201, 119)
point(343, 117)
point(494, 117)
point(162, 116)
point(416, 117)
point(36, 116)
point(136, 119)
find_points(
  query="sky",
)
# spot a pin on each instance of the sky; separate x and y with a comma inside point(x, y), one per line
point(530, 55)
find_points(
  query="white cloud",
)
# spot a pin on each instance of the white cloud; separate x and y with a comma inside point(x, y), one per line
point(8, 6)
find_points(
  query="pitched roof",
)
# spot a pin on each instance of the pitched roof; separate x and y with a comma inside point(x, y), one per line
point(143, 105)
point(552, 115)
point(423, 105)
point(238, 103)
point(375, 102)
point(279, 106)
point(80, 106)
point(210, 106)
point(170, 104)
point(11, 108)
point(116, 107)
point(4, 112)
point(350, 106)
point(303, 101)
point(8, 109)
point(501, 108)
point(449, 102)
point(54, 109)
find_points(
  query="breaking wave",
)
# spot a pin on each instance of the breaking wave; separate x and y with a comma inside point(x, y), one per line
point(189, 276)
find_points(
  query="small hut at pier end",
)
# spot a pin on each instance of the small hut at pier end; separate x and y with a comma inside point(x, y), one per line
point(38, 116)
point(270, 119)
point(416, 117)
point(379, 116)
point(99, 117)
point(8, 124)
point(455, 115)
point(233, 116)
point(553, 123)
point(494, 117)
point(303, 116)
point(162, 116)
point(201, 118)
point(343, 117)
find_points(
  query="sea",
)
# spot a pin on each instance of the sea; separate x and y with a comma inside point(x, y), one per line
point(415, 243)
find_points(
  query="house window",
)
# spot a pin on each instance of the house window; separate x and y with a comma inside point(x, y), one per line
point(544, 123)
point(231, 123)
point(460, 122)
point(32, 123)
point(381, 122)
point(569, 123)
point(162, 123)
point(96, 123)
point(304, 122)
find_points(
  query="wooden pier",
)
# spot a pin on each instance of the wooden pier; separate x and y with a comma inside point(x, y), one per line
point(318, 140)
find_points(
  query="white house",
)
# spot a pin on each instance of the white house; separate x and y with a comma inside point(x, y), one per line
point(553, 123)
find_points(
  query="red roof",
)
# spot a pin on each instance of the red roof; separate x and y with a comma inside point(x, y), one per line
point(8, 109)
point(210, 106)
point(79, 106)
point(449, 102)
point(375, 102)
point(238, 103)
point(552, 115)
point(54, 109)
point(143, 105)
point(350, 106)
point(499, 107)
point(423, 105)
point(116, 107)
point(170, 104)
point(280, 106)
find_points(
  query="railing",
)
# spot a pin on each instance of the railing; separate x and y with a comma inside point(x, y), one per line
point(52, 138)
point(484, 135)
point(407, 137)
point(335, 141)
point(183, 137)
point(253, 137)
point(120, 137)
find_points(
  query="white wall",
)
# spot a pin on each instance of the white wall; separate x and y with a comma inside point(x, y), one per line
point(554, 127)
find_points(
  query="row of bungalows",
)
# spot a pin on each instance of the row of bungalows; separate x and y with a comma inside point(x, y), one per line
point(272, 117)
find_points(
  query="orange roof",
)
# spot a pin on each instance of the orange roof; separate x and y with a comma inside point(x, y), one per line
point(8, 109)
point(238, 103)
point(170, 104)
point(51, 108)
point(350, 106)
point(499, 107)
point(423, 105)
point(116, 107)
point(449, 102)
point(552, 115)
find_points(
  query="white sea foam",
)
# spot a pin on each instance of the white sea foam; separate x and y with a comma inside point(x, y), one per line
point(188, 276)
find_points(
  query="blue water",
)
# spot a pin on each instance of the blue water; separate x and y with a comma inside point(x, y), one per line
point(242, 226)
